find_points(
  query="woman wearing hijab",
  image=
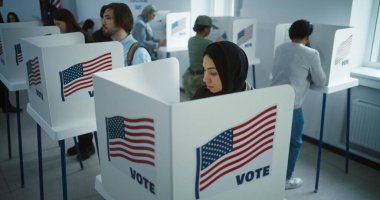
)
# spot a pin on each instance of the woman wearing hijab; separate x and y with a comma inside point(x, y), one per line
point(225, 69)
point(143, 33)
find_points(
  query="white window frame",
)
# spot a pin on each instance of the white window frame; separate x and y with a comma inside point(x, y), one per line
point(373, 54)
point(222, 7)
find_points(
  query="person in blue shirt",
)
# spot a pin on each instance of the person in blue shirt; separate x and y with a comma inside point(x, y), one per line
point(118, 23)
point(143, 32)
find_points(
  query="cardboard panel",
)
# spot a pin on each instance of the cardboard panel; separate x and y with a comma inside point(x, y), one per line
point(11, 25)
point(334, 46)
point(14, 67)
point(251, 163)
point(244, 35)
point(134, 96)
point(168, 134)
point(64, 94)
point(177, 30)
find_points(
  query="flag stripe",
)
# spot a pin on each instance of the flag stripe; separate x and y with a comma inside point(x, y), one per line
point(139, 120)
point(257, 116)
point(141, 134)
point(248, 134)
point(132, 153)
point(132, 147)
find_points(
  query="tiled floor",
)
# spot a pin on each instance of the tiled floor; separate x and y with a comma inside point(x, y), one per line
point(362, 183)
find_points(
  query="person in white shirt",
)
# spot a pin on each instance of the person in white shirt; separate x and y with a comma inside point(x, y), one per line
point(299, 66)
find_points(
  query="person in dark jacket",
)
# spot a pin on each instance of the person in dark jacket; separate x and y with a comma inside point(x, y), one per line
point(225, 67)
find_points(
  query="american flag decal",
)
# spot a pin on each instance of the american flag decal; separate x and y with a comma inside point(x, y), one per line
point(56, 3)
point(18, 53)
point(79, 76)
point(343, 50)
point(33, 69)
point(234, 149)
point(178, 26)
point(222, 37)
point(131, 139)
point(245, 35)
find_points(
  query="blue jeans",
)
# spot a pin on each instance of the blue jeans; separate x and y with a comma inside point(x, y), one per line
point(295, 141)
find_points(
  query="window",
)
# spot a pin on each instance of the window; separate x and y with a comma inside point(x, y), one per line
point(375, 50)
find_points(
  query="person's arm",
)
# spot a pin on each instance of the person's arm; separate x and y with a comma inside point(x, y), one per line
point(139, 33)
point(318, 76)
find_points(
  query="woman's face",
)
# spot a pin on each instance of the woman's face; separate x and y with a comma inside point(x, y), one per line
point(61, 25)
point(151, 16)
point(211, 76)
point(12, 18)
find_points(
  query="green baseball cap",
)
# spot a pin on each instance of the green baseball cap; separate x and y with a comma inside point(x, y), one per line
point(204, 20)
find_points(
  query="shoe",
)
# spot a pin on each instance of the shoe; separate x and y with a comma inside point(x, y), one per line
point(86, 152)
point(293, 183)
point(72, 151)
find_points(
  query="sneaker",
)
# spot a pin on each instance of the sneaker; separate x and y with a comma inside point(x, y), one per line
point(86, 152)
point(293, 183)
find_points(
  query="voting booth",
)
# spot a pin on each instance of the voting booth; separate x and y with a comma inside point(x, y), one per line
point(241, 31)
point(12, 67)
point(152, 146)
point(59, 78)
point(334, 46)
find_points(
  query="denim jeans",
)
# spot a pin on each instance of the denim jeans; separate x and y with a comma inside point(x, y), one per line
point(295, 141)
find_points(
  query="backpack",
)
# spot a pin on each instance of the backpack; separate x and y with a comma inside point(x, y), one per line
point(131, 52)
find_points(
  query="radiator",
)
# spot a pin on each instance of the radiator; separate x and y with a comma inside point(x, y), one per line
point(365, 124)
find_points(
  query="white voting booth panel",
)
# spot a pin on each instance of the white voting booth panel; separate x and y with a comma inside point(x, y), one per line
point(241, 31)
point(334, 46)
point(177, 30)
point(3, 43)
point(154, 147)
point(59, 74)
point(14, 67)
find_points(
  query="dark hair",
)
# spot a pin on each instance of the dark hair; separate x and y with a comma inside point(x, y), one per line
point(66, 16)
point(88, 24)
point(14, 14)
point(104, 7)
point(122, 15)
point(199, 28)
point(300, 29)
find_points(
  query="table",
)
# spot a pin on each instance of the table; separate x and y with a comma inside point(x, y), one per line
point(343, 85)
point(59, 133)
point(15, 86)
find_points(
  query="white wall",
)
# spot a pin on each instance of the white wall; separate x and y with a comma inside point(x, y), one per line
point(26, 10)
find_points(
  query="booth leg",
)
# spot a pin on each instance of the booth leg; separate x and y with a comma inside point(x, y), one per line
point(254, 76)
point(20, 139)
point(96, 143)
point(40, 171)
point(348, 129)
point(78, 152)
point(63, 166)
point(168, 55)
point(6, 104)
point(320, 142)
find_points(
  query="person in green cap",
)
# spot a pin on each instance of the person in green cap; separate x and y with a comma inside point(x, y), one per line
point(193, 76)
